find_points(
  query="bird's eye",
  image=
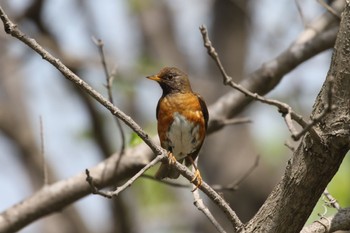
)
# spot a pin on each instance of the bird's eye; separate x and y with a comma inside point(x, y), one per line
point(170, 76)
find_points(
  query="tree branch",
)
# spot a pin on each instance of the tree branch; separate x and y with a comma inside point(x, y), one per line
point(317, 37)
point(54, 197)
point(11, 28)
point(109, 80)
point(235, 184)
point(286, 111)
point(198, 202)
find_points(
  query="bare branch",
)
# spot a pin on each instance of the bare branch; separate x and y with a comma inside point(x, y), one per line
point(234, 185)
point(286, 111)
point(297, 3)
point(198, 202)
point(331, 200)
point(167, 182)
point(94, 189)
point(328, 8)
point(289, 146)
point(314, 120)
point(317, 37)
point(214, 196)
point(53, 197)
point(109, 79)
point(128, 183)
point(42, 152)
point(12, 29)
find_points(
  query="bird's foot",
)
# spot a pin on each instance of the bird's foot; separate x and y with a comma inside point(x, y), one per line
point(197, 179)
point(172, 159)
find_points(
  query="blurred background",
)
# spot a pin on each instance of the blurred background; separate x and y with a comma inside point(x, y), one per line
point(140, 37)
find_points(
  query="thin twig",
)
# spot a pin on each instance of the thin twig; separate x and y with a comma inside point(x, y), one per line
point(329, 8)
point(128, 183)
point(221, 122)
point(234, 185)
point(184, 171)
point(327, 109)
point(42, 152)
point(331, 200)
point(109, 80)
point(167, 182)
point(297, 3)
point(94, 189)
point(287, 112)
point(13, 30)
point(282, 107)
point(289, 146)
point(138, 174)
point(235, 121)
point(214, 196)
point(198, 202)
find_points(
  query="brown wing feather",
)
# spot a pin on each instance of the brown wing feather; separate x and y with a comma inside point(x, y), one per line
point(206, 119)
point(204, 110)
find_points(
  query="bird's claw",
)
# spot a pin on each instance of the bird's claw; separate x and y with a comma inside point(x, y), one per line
point(198, 178)
point(172, 159)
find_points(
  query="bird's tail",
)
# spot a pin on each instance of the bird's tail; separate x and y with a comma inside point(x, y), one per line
point(167, 171)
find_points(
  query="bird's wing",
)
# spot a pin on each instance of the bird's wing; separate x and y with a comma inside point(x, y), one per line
point(204, 110)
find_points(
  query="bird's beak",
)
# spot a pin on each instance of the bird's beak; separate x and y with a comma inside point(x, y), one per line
point(154, 78)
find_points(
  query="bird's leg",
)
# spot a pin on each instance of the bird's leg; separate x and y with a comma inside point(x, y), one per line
point(197, 175)
point(171, 157)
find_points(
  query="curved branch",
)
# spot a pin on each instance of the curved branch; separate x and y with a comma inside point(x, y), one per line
point(56, 196)
point(11, 28)
point(317, 37)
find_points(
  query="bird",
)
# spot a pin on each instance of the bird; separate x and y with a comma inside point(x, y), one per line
point(182, 118)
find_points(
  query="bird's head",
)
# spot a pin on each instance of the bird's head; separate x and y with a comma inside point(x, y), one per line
point(172, 80)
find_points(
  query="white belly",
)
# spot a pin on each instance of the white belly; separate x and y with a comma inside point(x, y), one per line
point(182, 137)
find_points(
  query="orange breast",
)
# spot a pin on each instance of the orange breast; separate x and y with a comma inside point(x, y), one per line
point(186, 104)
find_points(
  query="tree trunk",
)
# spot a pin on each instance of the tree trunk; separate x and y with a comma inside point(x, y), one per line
point(317, 159)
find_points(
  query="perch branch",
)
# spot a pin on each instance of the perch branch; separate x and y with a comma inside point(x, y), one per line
point(198, 202)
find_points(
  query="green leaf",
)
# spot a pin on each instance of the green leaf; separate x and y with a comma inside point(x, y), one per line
point(134, 140)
